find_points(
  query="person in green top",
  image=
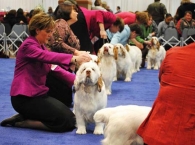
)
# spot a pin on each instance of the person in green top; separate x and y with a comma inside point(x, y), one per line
point(149, 29)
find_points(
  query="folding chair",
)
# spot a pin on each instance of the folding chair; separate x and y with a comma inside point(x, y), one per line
point(2, 38)
point(16, 37)
point(171, 37)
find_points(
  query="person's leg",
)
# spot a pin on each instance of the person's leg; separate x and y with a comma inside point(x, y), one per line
point(45, 113)
point(59, 90)
point(144, 54)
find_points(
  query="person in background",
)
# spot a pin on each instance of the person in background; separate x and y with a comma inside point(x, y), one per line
point(187, 21)
point(28, 92)
point(157, 10)
point(130, 31)
point(168, 22)
point(93, 24)
point(123, 36)
point(106, 6)
point(118, 9)
point(20, 18)
point(10, 18)
point(98, 5)
point(171, 120)
point(63, 40)
point(186, 5)
point(148, 31)
point(50, 11)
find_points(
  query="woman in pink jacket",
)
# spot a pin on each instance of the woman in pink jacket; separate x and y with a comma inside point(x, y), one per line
point(28, 92)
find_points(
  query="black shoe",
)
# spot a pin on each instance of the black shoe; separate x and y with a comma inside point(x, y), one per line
point(11, 121)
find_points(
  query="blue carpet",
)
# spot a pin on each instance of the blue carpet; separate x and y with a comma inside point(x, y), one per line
point(142, 90)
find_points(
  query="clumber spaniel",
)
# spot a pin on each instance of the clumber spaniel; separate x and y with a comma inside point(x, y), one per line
point(156, 54)
point(136, 56)
point(121, 124)
point(107, 64)
point(90, 96)
point(123, 62)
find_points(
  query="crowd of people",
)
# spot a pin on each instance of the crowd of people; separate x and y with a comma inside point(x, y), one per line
point(46, 60)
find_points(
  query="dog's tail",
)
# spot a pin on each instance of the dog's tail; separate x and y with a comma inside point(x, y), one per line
point(102, 115)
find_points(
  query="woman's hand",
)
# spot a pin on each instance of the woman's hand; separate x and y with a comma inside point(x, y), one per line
point(78, 60)
point(103, 34)
point(77, 53)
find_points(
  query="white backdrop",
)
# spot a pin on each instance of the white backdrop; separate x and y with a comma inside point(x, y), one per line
point(126, 5)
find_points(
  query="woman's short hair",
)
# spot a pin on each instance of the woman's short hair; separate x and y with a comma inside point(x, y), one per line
point(40, 21)
point(168, 15)
point(185, 1)
point(64, 10)
point(142, 17)
point(120, 23)
point(135, 27)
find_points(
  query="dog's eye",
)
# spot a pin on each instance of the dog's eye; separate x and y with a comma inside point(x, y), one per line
point(83, 69)
point(93, 69)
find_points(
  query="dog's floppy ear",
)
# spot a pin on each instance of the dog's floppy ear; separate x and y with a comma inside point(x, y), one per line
point(115, 50)
point(100, 83)
point(158, 45)
point(77, 84)
point(127, 47)
point(123, 51)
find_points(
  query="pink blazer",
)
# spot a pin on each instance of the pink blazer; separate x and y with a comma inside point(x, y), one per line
point(33, 62)
point(93, 17)
point(128, 17)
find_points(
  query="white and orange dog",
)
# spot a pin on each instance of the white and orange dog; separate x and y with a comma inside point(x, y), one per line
point(121, 124)
point(136, 57)
point(90, 96)
point(123, 62)
point(156, 54)
point(107, 55)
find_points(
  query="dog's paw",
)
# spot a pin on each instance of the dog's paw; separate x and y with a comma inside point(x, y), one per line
point(115, 79)
point(81, 131)
point(156, 67)
point(98, 131)
point(127, 79)
point(148, 67)
point(108, 92)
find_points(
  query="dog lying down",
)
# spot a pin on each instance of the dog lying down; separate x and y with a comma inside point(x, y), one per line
point(121, 124)
point(90, 96)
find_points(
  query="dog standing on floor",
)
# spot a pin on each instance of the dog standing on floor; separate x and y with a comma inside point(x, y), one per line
point(121, 124)
point(90, 96)
point(136, 57)
point(123, 62)
point(156, 54)
point(107, 56)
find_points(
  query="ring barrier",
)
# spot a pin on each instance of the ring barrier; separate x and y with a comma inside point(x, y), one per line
point(9, 44)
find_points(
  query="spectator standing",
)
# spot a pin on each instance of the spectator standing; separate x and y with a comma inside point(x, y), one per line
point(10, 18)
point(157, 10)
point(118, 9)
point(98, 5)
point(106, 6)
point(50, 11)
point(20, 18)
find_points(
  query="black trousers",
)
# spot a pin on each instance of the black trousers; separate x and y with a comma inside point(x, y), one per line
point(51, 112)
point(59, 89)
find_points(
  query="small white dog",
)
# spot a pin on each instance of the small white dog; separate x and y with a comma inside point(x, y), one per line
point(122, 123)
point(136, 56)
point(90, 96)
point(123, 62)
point(156, 54)
point(107, 64)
